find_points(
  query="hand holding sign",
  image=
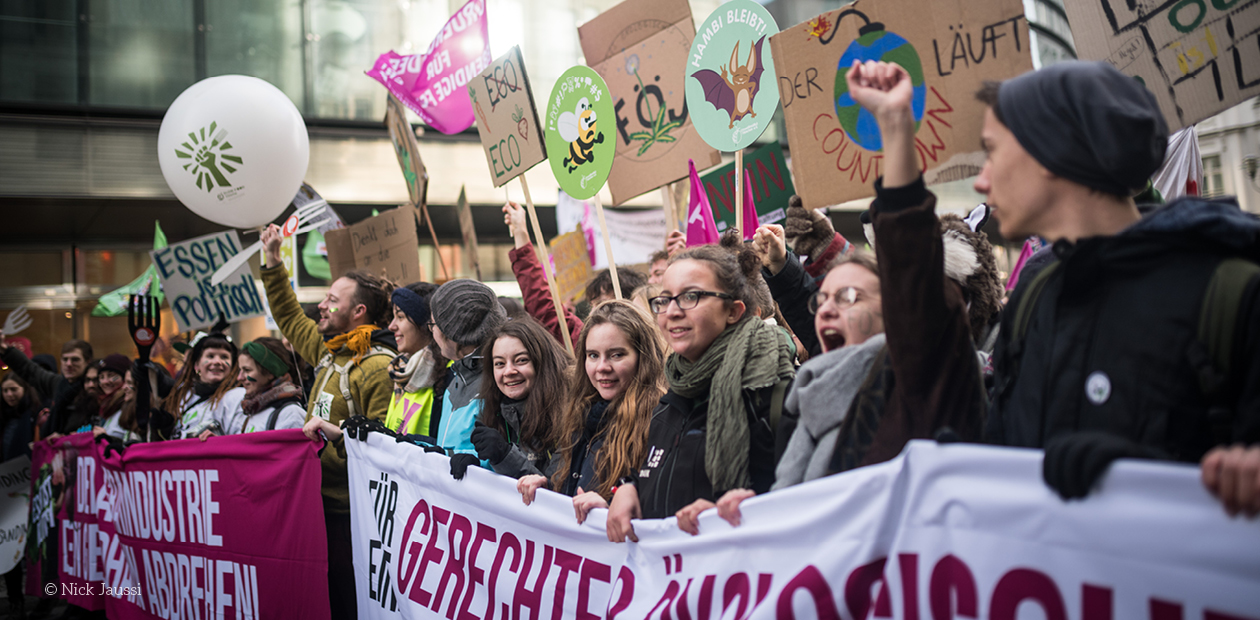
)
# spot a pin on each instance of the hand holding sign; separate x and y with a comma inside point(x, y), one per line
point(298, 223)
point(17, 321)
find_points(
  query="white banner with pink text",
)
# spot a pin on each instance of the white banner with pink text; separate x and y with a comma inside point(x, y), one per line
point(942, 531)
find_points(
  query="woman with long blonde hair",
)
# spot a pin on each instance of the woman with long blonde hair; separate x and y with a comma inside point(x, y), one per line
point(602, 435)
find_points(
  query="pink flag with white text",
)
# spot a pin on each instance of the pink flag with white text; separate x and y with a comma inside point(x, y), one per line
point(434, 84)
point(750, 210)
point(232, 527)
point(701, 228)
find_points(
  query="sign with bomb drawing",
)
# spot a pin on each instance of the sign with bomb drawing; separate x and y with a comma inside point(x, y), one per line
point(948, 47)
point(637, 47)
point(731, 85)
point(506, 118)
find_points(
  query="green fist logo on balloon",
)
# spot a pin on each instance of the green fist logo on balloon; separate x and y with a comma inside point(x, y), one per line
point(234, 150)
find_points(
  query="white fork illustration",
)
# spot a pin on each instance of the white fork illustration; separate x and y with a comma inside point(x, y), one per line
point(297, 224)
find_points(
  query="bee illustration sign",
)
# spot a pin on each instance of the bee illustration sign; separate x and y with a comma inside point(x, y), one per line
point(507, 120)
point(1198, 57)
point(731, 87)
point(637, 47)
point(949, 48)
point(579, 132)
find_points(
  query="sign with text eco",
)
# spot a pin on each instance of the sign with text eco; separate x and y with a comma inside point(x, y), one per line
point(507, 120)
point(1199, 57)
point(580, 139)
point(185, 269)
point(731, 87)
point(637, 47)
point(947, 46)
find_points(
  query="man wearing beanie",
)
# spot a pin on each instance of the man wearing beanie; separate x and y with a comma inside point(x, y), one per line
point(465, 313)
point(351, 353)
point(1142, 338)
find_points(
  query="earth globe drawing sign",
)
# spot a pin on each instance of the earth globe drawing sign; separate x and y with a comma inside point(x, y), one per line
point(732, 92)
point(234, 150)
point(875, 43)
point(581, 132)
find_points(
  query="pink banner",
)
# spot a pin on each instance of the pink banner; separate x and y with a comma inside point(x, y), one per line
point(41, 538)
point(701, 228)
point(229, 527)
point(434, 84)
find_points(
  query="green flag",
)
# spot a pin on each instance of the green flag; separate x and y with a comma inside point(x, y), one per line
point(316, 264)
point(114, 303)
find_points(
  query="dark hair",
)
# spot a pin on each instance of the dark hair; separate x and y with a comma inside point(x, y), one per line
point(30, 401)
point(424, 289)
point(374, 293)
point(629, 415)
point(859, 257)
point(601, 284)
point(658, 255)
point(551, 367)
point(188, 375)
point(988, 95)
point(81, 346)
point(114, 400)
point(158, 379)
point(512, 307)
point(730, 267)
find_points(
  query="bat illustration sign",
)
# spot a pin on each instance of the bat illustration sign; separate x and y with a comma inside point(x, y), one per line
point(580, 139)
point(732, 90)
point(506, 118)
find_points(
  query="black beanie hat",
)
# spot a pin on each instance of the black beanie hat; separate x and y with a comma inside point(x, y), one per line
point(1088, 123)
point(466, 311)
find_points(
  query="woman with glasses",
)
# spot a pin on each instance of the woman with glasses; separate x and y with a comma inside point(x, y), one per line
point(601, 437)
point(728, 374)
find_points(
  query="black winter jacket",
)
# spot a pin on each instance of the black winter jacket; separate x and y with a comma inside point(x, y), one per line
point(1108, 344)
point(68, 411)
point(521, 460)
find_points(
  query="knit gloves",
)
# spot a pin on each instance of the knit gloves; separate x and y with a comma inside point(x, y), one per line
point(808, 231)
point(1075, 462)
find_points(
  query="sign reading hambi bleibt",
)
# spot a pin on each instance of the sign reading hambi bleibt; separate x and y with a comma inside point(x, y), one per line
point(186, 268)
point(732, 91)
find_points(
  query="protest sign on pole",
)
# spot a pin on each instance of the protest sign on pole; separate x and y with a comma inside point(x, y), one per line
point(939, 531)
point(15, 487)
point(384, 245)
point(41, 529)
point(1198, 58)
point(507, 119)
point(186, 269)
point(949, 48)
point(414, 172)
point(432, 84)
point(767, 171)
point(573, 263)
point(637, 47)
point(468, 231)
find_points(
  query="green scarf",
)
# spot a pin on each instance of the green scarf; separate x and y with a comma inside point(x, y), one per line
point(748, 355)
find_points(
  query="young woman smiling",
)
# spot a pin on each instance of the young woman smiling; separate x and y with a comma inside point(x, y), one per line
point(206, 391)
point(728, 374)
point(602, 436)
point(271, 400)
point(419, 365)
point(528, 370)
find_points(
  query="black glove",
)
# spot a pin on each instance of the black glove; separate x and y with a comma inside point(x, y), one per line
point(460, 464)
point(111, 444)
point(1076, 461)
point(946, 434)
point(490, 443)
point(358, 427)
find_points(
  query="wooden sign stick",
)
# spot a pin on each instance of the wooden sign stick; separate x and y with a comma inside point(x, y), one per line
point(739, 192)
point(437, 249)
point(540, 246)
point(671, 214)
point(612, 263)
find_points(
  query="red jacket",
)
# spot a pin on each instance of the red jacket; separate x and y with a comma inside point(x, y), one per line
point(533, 283)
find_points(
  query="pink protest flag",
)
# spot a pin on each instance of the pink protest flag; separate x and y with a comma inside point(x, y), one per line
point(701, 228)
point(435, 84)
point(750, 210)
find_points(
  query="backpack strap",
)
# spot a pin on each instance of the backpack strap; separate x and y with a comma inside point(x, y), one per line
point(1024, 308)
point(776, 403)
point(344, 371)
point(1212, 354)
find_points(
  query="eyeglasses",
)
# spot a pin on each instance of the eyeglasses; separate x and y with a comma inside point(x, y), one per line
point(686, 301)
point(843, 298)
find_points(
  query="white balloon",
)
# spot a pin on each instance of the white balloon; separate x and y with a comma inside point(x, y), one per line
point(234, 150)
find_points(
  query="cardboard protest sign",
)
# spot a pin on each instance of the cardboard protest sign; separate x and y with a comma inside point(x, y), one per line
point(731, 76)
point(382, 245)
point(580, 123)
point(949, 47)
point(767, 170)
point(186, 268)
point(408, 152)
point(15, 487)
point(507, 120)
point(1198, 57)
point(637, 47)
point(573, 263)
point(468, 231)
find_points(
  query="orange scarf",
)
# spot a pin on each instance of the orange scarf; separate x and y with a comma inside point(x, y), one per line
point(358, 340)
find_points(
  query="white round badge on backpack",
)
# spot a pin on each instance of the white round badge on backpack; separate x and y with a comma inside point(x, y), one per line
point(234, 150)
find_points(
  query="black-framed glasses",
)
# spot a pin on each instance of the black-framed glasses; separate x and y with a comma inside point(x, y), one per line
point(843, 298)
point(686, 301)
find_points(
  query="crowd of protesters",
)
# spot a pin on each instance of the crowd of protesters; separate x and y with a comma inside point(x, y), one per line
point(736, 369)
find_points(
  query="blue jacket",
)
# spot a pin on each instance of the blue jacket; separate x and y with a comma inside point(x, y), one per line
point(461, 406)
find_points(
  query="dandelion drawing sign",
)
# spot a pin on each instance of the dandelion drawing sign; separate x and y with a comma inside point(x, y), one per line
point(732, 91)
point(507, 120)
point(580, 130)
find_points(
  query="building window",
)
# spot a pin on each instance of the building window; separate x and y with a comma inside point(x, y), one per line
point(1213, 180)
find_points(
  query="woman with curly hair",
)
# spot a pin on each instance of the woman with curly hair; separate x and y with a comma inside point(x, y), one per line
point(602, 435)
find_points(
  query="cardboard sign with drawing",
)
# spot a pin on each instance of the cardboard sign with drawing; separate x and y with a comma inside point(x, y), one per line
point(507, 120)
point(948, 47)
